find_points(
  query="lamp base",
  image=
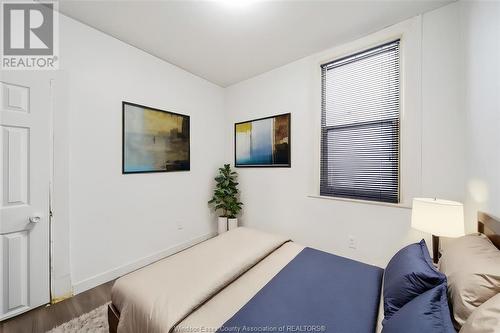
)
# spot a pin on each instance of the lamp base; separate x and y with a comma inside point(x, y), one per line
point(435, 249)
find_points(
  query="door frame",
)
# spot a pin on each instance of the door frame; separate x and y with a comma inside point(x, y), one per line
point(59, 195)
point(55, 84)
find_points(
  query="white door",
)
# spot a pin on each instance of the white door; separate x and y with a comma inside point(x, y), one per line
point(24, 190)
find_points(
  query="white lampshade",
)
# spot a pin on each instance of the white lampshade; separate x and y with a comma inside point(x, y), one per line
point(438, 217)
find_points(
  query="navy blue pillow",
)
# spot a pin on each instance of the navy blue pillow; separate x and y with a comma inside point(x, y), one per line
point(427, 313)
point(409, 273)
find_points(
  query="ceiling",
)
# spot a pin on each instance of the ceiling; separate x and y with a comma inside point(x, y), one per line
point(228, 41)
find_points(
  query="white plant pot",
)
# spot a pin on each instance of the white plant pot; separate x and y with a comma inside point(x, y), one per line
point(222, 225)
point(232, 223)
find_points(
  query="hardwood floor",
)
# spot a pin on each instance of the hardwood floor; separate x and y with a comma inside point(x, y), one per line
point(44, 318)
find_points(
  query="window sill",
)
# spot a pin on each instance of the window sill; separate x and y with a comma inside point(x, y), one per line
point(366, 202)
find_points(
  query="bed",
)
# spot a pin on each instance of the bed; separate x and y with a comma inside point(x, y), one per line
point(274, 285)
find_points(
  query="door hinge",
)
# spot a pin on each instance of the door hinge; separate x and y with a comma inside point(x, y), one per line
point(51, 214)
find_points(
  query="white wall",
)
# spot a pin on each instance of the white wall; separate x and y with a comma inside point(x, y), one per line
point(443, 141)
point(432, 145)
point(482, 104)
point(119, 222)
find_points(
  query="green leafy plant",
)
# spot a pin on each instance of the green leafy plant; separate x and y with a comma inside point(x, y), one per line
point(225, 197)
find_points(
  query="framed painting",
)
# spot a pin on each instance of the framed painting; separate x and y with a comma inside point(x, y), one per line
point(263, 142)
point(154, 140)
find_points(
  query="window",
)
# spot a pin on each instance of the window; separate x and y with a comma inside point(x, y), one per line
point(360, 125)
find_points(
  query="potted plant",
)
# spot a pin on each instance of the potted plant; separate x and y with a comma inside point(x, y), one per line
point(225, 198)
point(234, 210)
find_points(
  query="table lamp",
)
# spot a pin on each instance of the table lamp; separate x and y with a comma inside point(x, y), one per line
point(439, 218)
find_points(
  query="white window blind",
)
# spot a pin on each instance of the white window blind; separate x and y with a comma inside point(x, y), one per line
point(360, 125)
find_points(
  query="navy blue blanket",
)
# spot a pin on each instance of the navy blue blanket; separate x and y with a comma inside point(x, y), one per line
point(315, 292)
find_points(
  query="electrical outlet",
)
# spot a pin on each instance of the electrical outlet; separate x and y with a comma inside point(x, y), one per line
point(352, 242)
point(180, 226)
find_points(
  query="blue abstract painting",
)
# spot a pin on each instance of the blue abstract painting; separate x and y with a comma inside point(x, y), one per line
point(263, 142)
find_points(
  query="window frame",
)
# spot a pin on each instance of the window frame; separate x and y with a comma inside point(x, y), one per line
point(410, 182)
point(323, 162)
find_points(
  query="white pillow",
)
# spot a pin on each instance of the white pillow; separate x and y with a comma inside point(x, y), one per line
point(472, 266)
point(485, 319)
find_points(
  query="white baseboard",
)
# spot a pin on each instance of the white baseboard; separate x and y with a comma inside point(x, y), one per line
point(112, 274)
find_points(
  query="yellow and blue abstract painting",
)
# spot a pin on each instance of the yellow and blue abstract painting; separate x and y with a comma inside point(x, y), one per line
point(263, 142)
point(154, 140)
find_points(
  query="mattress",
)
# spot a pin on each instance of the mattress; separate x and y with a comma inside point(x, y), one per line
point(165, 296)
point(156, 298)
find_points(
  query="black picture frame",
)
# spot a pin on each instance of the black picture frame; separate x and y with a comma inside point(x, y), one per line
point(288, 165)
point(124, 172)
